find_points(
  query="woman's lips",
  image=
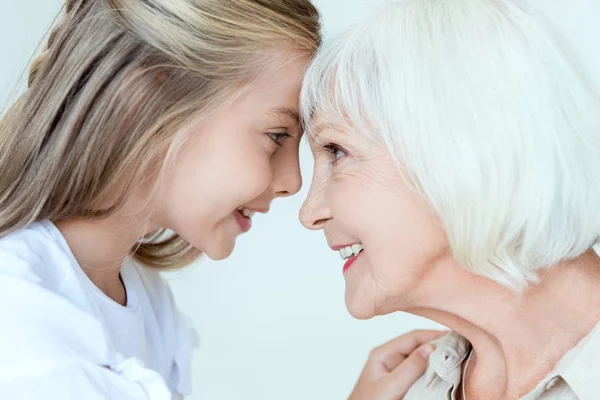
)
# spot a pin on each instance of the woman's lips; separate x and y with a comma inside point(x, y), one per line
point(349, 252)
point(351, 261)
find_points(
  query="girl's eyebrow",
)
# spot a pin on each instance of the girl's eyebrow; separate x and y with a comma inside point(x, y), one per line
point(286, 114)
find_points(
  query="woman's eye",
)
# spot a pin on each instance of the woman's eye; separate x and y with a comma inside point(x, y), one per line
point(278, 137)
point(336, 151)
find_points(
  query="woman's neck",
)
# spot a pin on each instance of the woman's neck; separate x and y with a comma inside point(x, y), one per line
point(517, 340)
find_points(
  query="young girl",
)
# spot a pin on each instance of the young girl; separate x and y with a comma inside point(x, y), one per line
point(140, 115)
point(150, 129)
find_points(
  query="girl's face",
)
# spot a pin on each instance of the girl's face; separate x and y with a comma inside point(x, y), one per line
point(235, 162)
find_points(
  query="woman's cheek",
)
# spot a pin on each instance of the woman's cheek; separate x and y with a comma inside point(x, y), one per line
point(346, 200)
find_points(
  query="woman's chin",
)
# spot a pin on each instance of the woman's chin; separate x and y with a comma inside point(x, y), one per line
point(358, 308)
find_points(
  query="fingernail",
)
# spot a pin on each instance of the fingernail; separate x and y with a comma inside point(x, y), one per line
point(426, 351)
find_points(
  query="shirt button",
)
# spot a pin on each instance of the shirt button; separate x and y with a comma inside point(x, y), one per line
point(447, 357)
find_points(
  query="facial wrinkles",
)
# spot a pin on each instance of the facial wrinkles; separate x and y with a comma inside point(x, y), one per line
point(374, 174)
point(377, 175)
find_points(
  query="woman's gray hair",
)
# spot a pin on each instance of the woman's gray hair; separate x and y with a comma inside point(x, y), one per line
point(489, 116)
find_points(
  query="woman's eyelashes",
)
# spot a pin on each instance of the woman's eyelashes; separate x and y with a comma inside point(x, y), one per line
point(336, 151)
point(278, 137)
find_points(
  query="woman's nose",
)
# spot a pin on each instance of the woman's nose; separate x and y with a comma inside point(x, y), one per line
point(315, 212)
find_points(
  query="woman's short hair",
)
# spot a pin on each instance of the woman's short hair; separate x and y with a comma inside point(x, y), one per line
point(487, 113)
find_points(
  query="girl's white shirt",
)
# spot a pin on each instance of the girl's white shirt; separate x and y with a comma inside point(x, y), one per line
point(62, 338)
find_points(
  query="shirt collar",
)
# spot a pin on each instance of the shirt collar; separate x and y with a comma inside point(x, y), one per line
point(447, 359)
point(579, 367)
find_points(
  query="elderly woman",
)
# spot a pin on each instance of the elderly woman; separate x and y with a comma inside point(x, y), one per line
point(457, 162)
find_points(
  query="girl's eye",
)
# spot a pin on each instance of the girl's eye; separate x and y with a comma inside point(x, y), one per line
point(278, 137)
point(336, 151)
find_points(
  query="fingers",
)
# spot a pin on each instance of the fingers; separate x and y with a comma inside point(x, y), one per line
point(394, 367)
point(406, 374)
point(408, 342)
point(391, 354)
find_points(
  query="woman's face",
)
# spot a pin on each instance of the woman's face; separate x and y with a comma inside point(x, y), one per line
point(236, 162)
point(359, 198)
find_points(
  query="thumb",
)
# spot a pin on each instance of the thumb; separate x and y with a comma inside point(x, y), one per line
point(408, 372)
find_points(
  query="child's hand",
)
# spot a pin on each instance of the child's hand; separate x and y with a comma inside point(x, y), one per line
point(393, 367)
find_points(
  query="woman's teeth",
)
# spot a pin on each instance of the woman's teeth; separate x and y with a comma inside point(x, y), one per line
point(245, 212)
point(350, 251)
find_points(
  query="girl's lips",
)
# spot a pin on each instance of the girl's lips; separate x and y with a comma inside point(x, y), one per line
point(244, 223)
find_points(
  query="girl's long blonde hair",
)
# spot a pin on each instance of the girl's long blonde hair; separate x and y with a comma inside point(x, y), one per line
point(117, 79)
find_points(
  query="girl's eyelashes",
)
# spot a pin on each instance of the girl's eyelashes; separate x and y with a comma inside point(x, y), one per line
point(278, 137)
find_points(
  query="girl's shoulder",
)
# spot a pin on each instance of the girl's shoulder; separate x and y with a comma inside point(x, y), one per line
point(33, 254)
point(31, 270)
point(51, 347)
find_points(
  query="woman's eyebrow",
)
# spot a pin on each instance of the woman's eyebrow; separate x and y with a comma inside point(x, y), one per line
point(319, 128)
